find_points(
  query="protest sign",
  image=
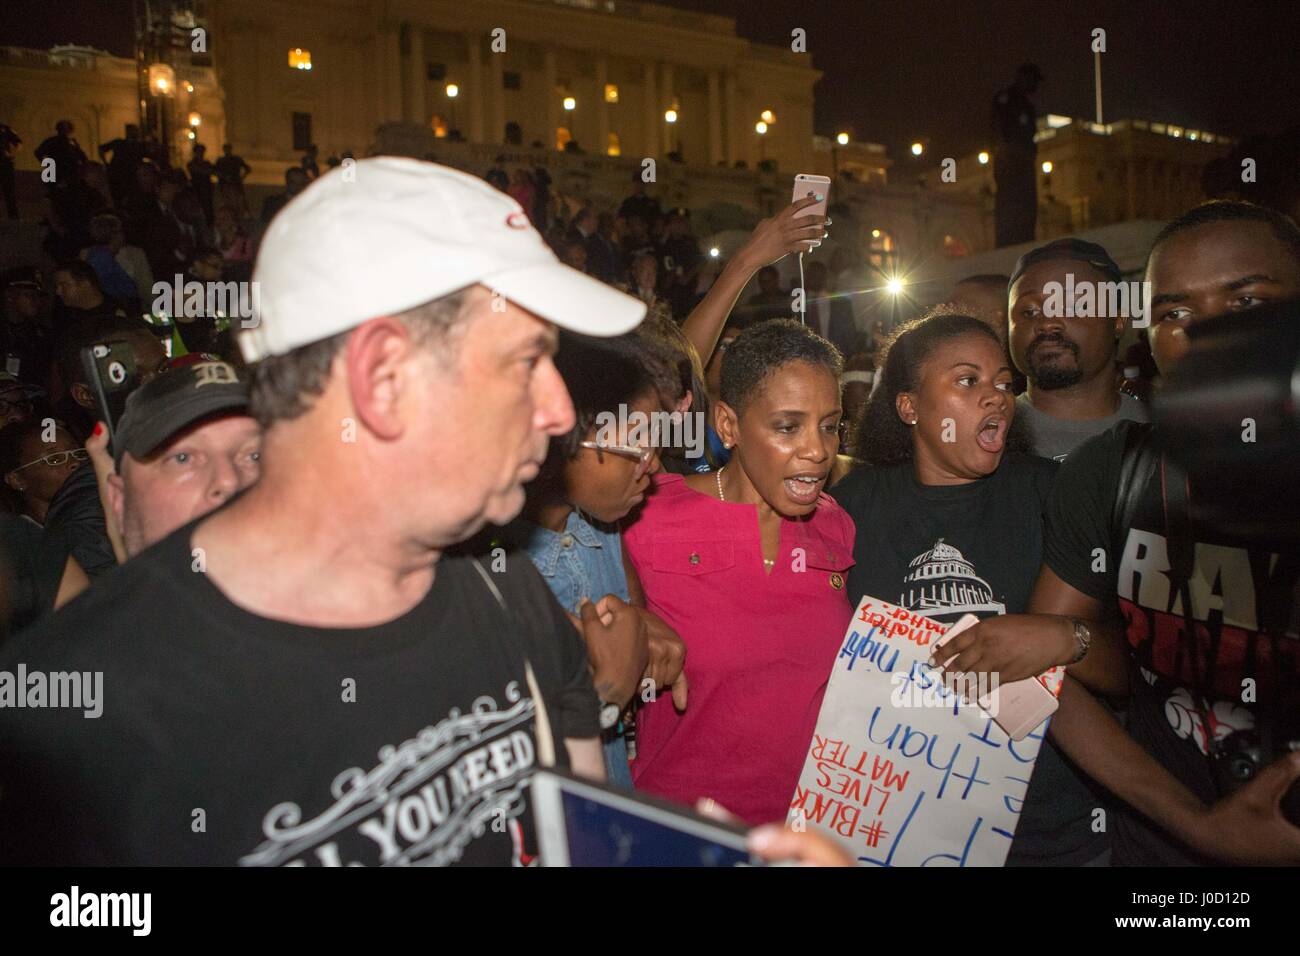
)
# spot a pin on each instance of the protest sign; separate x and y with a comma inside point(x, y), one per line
point(902, 771)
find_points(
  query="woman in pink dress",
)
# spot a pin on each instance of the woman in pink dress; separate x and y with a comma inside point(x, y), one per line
point(748, 565)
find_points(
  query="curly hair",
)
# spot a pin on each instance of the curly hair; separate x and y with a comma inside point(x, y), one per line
point(761, 349)
point(883, 439)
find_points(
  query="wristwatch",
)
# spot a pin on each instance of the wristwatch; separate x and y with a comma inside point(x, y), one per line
point(1082, 637)
point(609, 714)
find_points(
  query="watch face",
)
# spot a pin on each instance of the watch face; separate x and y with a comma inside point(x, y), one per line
point(608, 715)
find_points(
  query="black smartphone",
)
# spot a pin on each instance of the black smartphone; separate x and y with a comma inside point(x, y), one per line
point(112, 375)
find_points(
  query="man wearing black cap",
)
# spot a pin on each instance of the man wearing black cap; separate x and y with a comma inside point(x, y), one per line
point(185, 445)
point(1016, 203)
point(1067, 348)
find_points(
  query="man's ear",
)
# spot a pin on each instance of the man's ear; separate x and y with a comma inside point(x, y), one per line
point(15, 481)
point(82, 395)
point(116, 491)
point(726, 423)
point(376, 357)
point(905, 405)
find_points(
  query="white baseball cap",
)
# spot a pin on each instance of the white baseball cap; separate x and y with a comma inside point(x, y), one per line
point(387, 234)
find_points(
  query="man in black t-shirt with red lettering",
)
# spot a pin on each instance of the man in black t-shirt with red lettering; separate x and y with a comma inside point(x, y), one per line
point(1241, 672)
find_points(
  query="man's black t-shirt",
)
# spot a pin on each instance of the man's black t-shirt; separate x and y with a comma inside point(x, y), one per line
point(946, 551)
point(227, 738)
point(1229, 584)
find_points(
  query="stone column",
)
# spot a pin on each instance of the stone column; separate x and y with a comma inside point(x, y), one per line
point(602, 108)
point(652, 115)
point(730, 110)
point(390, 79)
point(496, 97)
point(475, 83)
point(416, 78)
point(552, 110)
point(715, 119)
point(672, 137)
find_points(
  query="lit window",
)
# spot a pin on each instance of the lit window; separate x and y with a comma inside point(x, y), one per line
point(439, 127)
point(562, 137)
point(300, 59)
point(614, 148)
point(611, 94)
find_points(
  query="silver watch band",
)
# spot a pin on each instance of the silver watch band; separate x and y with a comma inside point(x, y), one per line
point(1082, 637)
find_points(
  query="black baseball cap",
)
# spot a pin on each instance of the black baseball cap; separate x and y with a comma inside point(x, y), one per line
point(175, 400)
point(1077, 249)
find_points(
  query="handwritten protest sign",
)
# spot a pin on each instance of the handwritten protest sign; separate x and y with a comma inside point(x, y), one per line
point(900, 769)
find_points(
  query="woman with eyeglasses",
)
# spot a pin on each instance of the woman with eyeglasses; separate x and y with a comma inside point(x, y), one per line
point(591, 479)
point(35, 469)
point(748, 565)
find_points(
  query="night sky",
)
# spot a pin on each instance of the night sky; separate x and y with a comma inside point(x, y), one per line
point(906, 69)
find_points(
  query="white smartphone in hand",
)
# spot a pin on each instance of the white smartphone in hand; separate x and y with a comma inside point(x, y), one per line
point(807, 184)
point(1017, 707)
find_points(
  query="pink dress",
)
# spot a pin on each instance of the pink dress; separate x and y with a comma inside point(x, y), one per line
point(759, 647)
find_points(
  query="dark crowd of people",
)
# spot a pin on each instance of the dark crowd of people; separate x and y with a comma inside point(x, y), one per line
point(349, 572)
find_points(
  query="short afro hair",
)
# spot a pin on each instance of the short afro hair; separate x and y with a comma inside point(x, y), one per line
point(762, 349)
point(1231, 210)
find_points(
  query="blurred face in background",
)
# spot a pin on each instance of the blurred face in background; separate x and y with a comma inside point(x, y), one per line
point(984, 301)
point(43, 468)
point(24, 303)
point(713, 371)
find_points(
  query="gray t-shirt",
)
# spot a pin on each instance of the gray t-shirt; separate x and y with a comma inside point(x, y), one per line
point(1056, 437)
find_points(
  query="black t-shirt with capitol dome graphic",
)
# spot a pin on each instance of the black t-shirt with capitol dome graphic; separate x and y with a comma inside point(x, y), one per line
point(946, 551)
point(231, 739)
point(1242, 612)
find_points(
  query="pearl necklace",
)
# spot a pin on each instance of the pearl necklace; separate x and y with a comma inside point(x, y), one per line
point(767, 562)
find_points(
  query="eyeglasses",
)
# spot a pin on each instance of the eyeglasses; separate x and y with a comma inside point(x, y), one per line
point(634, 453)
point(57, 458)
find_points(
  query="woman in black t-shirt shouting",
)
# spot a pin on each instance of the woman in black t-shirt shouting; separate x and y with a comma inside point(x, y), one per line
point(949, 514)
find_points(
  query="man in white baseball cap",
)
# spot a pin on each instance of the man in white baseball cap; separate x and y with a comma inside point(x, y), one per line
point(308, 663)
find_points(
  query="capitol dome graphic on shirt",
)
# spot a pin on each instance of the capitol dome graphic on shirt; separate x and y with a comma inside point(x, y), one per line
point(942, 583)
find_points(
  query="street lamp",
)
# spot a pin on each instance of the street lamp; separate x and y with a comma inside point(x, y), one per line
point(570, 104)
point(195, 119)
point(452, 91)
point(983, 157)
point(761, 129)
point(917, 149)
point(1047, 167)
point(767, 116)
point(843, 140)
point(162, 79)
